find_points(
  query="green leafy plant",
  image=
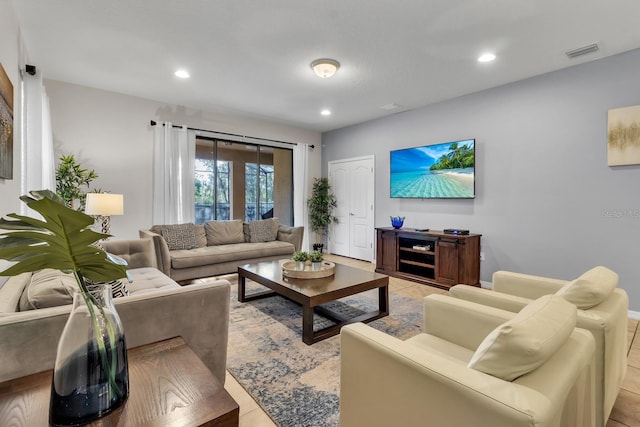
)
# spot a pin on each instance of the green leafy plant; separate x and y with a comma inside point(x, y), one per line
point(300, 256)
point(70, 178)
point(321, 204)
point(64, 241)
point(315, 256)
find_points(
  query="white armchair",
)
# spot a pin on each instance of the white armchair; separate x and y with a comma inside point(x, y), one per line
point(426, 380)
point(602, 309)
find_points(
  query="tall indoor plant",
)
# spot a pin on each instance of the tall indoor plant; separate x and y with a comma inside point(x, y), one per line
point(321, 204)
point(70, 178)
point(93, 373)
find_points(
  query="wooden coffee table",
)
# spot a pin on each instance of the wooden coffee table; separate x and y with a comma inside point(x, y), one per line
point(311, 293)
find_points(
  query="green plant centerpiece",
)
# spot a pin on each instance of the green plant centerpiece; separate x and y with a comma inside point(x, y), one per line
point(316, 260)
point(70, 178)
point(63, 240)
point(315, 256)
point(300, 258)
point(321, 204)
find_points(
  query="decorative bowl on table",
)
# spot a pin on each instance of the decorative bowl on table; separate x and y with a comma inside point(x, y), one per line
point(397, 221)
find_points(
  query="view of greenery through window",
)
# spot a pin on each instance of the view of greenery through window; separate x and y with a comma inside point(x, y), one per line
point(205, 191)
point(258, 191)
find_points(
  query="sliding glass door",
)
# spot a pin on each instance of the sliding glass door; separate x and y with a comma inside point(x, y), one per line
point(236, 180)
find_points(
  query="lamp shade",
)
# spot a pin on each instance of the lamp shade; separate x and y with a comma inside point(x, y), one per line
point(104, 204)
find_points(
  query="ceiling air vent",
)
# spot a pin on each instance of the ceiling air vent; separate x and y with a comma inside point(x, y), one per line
point(582, 50)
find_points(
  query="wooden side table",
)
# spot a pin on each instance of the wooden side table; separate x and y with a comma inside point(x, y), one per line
point(169, 386)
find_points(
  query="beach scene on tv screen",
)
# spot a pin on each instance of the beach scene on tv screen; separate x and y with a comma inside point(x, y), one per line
point(434, 171)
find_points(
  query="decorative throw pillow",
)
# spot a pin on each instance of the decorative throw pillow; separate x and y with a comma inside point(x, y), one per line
point(525, 342)
point(590, 289)
point(262, 230)
point(48, 288)
point(179, 236)
point(224, 232)
point(118, 287)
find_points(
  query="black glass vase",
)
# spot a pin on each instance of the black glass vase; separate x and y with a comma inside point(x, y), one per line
point(91, 376)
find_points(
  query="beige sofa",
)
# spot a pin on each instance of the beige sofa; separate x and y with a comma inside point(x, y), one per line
point(606, 318)
point(191, 251)
point(156, 309)
point(426, 380)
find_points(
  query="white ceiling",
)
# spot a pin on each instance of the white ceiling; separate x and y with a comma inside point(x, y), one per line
point(251, 57)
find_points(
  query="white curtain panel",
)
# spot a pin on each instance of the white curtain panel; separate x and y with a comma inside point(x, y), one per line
point(174, 153)
point(37, 158)
point(301, 190)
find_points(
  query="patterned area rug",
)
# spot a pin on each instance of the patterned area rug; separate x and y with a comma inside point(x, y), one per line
point(297, 384)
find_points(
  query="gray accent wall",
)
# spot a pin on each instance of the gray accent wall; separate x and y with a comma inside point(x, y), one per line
point(546, 202)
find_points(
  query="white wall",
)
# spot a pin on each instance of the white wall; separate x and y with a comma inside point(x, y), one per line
point(110, 132)
point(547, 203)
point(12, 57)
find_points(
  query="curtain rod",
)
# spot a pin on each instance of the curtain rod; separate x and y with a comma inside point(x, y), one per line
point(154, 123)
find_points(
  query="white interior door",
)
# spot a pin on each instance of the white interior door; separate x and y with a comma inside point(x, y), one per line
point(353, 184)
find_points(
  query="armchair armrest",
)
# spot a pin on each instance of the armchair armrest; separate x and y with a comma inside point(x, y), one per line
point(163, 260)
point(489, 298)
point(525, 285)
point(460, 322)
point(292, 235)
point(137, 252)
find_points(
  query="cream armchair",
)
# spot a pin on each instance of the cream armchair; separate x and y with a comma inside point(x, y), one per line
point(605, 317)
point(426, 380)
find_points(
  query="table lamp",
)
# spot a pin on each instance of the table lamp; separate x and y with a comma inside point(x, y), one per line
point(104, 205)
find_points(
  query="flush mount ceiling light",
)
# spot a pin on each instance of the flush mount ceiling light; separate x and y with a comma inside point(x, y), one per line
point(325, 68)
point(486, 57)
point(183, 74)
point(325, 112)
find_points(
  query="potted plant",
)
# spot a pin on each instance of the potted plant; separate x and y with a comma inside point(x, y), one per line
point(300, 257)
point(70, 178)
point(316, 260)
point(92, 340)
point(321, 204)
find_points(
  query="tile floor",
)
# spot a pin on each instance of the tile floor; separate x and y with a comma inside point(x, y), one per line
point(626, 411)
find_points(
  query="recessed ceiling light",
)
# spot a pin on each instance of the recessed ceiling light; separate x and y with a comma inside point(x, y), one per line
point(183, 74)
point(486, 57)
point(325, 112)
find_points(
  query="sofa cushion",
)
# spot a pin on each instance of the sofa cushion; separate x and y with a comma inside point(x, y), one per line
point(525, 342)
point(201, 235)
point(265, 230)
point(179, 236)
point(147, 279)
point(229, 253)
point(11, 291)
point(590, 289)
point(224, 232)
point(48, 288)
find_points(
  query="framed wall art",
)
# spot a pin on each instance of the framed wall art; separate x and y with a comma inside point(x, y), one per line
point(6, 126)
point(623, 146)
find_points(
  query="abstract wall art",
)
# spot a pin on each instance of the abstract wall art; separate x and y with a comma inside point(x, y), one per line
point(6, 126)
point(623, 146)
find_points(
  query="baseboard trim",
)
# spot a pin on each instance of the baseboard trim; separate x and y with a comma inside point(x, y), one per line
point(635, 315)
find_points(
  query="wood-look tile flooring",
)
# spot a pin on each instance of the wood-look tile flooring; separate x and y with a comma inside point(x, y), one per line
point(626, 411)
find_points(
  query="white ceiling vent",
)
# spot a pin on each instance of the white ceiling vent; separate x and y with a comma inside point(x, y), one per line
point(582, 50)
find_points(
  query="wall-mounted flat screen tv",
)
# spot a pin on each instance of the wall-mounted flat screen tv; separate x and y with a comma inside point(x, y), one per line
point(439, 171)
